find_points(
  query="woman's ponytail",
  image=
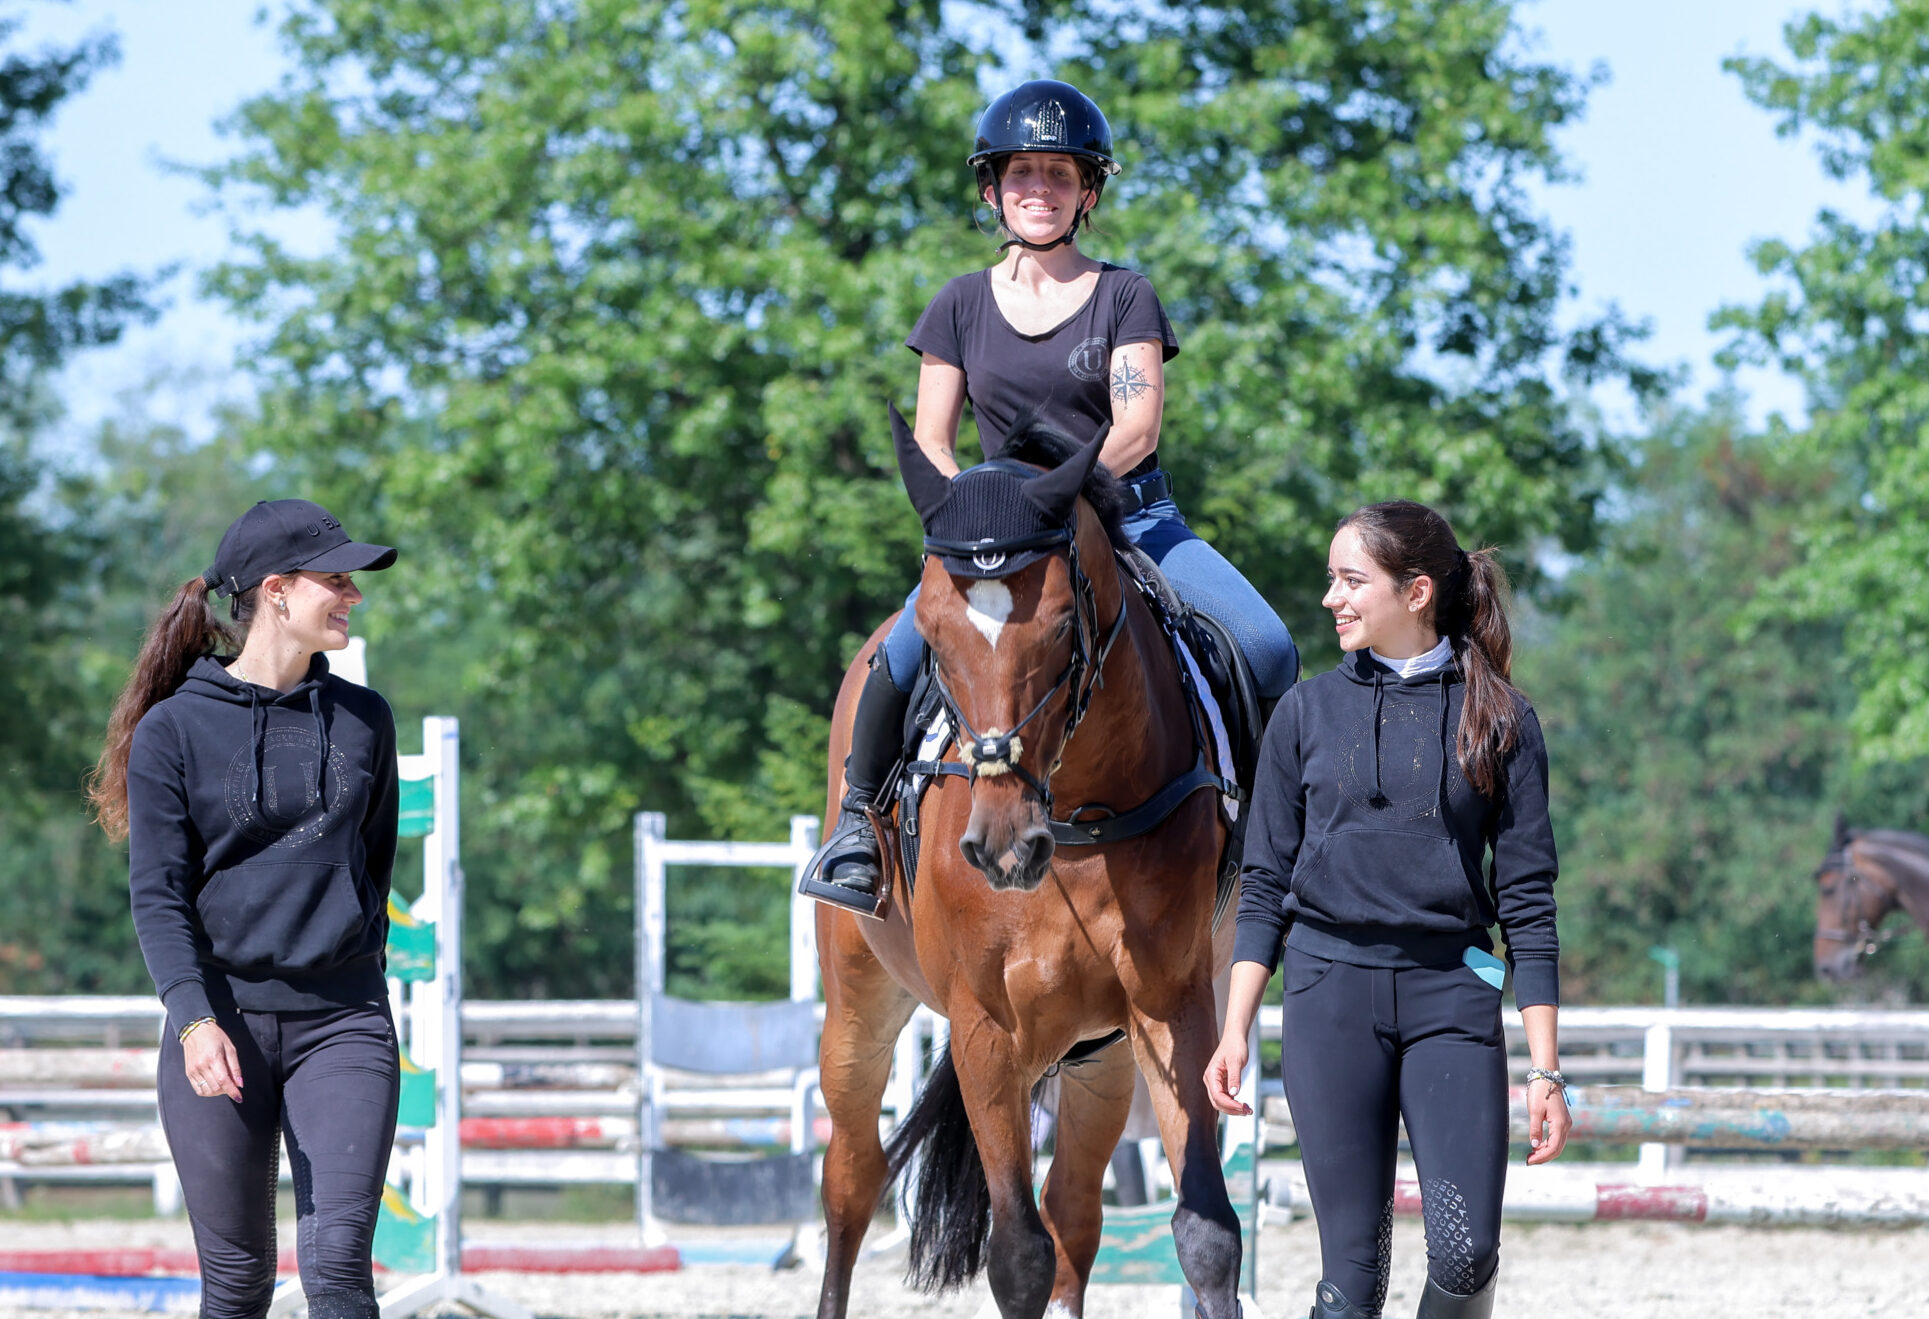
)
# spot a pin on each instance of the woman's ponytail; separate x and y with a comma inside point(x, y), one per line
point(186, 630)
point(1484, 644)
point(1409, 541)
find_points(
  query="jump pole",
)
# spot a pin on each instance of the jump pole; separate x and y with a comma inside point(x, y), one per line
point(433, 1017)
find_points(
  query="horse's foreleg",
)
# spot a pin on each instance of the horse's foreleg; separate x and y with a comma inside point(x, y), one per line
point(1205, 1232)
point(997, 1096)
point(864, 1009)
point(1093, 1101)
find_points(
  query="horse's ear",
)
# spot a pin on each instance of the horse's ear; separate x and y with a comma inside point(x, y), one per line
point(1055, 492)
point(1841, 831)
point(927, 486)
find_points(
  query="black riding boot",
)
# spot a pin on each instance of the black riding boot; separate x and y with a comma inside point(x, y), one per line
point(1328, 1303)
point(877, 740)
point(1436, 1302)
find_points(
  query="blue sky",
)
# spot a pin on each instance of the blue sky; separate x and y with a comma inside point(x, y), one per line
point(1679, 174)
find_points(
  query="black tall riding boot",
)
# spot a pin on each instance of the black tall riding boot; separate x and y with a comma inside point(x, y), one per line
point(877, 740)
point(1329, 1303)
point(1436, 1302)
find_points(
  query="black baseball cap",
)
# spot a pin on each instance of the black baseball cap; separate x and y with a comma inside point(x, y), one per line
point(286, 535)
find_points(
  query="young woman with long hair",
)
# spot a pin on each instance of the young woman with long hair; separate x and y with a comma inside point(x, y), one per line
point(1054, 333)
point(258, 795)
point(1400, 813)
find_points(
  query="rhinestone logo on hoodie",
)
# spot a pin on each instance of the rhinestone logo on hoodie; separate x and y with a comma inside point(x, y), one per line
point(281, 808)
point(1409, 770)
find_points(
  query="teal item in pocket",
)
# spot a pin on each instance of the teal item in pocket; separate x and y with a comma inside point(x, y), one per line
point(1486, 966)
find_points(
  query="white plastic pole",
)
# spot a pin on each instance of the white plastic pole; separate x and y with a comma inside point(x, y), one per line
point(438, 1003)
point(1657, 1073)
point(651, 827)
point(803, 913)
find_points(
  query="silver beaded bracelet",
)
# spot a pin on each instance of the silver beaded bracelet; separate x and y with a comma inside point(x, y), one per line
point(1555, 1081)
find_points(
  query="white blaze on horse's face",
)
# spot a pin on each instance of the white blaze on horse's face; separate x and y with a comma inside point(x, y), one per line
point(987, 606)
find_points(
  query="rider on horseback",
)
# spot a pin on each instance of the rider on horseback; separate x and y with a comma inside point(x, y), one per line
point(1052, 333)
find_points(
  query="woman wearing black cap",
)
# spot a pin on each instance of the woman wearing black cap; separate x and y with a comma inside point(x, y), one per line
point(1053, 333)
point(257, 792)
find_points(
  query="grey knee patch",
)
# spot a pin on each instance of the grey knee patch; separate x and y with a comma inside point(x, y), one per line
point(348, 1304)
point(1455, 1260)
point(1383, 1242)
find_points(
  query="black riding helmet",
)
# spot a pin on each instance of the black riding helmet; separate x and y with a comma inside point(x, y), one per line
point(1043, 115)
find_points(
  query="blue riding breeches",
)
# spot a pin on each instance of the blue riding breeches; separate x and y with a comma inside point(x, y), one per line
point(1199, 574)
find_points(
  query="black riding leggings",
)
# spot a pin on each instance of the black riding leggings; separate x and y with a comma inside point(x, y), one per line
point(329, 1081)
point(1364, 1047)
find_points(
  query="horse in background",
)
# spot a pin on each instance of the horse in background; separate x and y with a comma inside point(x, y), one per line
point(1027, 944)
point(1867, 874)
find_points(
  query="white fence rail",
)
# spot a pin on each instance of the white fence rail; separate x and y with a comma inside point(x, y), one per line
point(1657, 1048)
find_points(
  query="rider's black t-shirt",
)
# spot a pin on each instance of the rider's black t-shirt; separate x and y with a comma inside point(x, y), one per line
point(1065, 372)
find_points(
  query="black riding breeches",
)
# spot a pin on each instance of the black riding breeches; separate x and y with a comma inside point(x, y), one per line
point(328, 1081)
point(1364, 1047)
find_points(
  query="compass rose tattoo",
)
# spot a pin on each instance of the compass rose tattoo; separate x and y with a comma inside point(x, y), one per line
point(1128, 382)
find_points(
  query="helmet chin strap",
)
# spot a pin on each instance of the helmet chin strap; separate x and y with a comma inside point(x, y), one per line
point(1070, 235)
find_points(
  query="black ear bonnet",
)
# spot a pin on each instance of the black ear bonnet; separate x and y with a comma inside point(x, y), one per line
point(998, 517)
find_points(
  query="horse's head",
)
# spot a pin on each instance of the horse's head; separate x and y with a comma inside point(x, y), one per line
point(1851, 900)
point(1015, 626)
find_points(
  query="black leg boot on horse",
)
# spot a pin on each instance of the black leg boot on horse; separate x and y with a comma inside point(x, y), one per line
point(1436, 1302)
point(848, 863)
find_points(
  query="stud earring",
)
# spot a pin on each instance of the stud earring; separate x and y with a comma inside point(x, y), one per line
point(282, 605)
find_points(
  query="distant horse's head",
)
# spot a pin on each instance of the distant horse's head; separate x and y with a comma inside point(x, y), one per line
point(1018, 629)
point(1854, 892)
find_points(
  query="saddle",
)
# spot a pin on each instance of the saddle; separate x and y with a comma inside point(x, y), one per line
point(1223, 705)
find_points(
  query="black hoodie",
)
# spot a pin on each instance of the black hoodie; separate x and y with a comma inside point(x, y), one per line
point(261, 836)
point(1368, 839)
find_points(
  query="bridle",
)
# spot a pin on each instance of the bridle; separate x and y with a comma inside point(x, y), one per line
point(1866, 938)
point(994, 751)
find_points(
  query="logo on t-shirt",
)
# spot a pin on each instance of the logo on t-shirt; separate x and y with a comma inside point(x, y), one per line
point(1089, 360)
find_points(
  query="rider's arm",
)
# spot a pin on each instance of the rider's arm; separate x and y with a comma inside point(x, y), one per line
point(941, 396)
point(1137, 382)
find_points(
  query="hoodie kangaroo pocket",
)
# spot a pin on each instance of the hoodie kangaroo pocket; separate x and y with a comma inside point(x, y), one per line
point(291, 917)
point(1386, 877)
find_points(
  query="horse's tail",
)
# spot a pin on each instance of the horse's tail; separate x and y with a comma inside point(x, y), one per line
point(952, 1201)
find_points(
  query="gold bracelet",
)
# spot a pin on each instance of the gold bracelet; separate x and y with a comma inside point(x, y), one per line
point(193, 1026)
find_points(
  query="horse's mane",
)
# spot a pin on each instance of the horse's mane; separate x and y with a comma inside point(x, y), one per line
point(1902, 838)
point(1038, 442)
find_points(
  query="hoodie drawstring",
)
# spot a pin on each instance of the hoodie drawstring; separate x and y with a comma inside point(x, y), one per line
point(1441, 791)
point(256, 748)
point(321, 740)
point(1379, 798)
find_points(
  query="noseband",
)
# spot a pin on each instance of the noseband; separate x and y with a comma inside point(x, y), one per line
point(1866, 939)
point(994, 751)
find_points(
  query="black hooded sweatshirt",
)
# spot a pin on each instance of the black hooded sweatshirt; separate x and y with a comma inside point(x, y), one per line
point(261, 838)
point(1368, 840)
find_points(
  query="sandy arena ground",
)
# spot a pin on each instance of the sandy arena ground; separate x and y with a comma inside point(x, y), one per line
point(1592, 1271)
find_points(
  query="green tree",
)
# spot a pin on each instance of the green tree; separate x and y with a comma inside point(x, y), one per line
point(142, 515)
point(1850, 318)
point(616, 298)
point(39, 329)
point(1697, 764)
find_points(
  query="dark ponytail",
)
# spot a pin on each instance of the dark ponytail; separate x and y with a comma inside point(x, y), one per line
point(186, 630)
point(1470, 593)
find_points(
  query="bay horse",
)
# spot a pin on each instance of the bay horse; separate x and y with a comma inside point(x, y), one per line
point(1027, 947)
point(1867, 874)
